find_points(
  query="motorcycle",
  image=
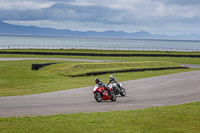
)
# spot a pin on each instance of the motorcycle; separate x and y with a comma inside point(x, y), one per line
point(118, 90)
point(101, 94)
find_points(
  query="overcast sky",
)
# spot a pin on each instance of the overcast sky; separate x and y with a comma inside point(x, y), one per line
point(155, 16)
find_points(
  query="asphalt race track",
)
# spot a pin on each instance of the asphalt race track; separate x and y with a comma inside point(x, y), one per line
point(62, 59)
point(142, 93)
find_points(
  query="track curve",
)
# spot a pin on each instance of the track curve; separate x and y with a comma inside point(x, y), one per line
point(142, 93)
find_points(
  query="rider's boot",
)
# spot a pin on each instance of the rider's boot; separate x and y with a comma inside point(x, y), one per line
point(109, 93)
point(119, 86)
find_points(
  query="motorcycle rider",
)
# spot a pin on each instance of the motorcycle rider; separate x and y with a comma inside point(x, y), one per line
point(113, 80)
point(101, 84)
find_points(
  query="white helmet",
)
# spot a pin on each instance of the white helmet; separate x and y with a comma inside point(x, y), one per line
point(111, 77)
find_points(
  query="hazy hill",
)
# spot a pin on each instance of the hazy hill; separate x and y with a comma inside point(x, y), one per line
point(10, 29)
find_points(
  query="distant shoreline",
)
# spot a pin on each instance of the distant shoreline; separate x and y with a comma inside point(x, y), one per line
point(99, 37)
point(51, 42)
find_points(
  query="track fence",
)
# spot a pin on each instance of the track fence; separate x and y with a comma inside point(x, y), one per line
point(95, 47)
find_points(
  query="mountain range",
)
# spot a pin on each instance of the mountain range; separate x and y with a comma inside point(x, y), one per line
point(10, 29)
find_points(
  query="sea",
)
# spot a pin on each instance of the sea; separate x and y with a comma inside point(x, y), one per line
point(61, 42)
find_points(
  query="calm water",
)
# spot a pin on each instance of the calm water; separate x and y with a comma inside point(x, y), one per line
point(53, 42)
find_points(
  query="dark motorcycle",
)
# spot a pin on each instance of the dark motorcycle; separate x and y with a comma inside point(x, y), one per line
point(118, 90)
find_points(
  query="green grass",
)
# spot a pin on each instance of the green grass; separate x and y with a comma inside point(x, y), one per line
point(83, 68)
point(169, 119)
point(184, 60)
point(17, 78)
point(103, 51)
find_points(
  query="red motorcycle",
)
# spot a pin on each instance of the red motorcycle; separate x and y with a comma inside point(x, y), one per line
point(101, 94)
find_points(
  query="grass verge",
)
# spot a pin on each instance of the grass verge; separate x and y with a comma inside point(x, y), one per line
point(17, 78)
point(102, 51)
point(183, 60)
point(169, 119)
point(88, 69)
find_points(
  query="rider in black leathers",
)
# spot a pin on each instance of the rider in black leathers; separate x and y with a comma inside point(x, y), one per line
point(101, 84)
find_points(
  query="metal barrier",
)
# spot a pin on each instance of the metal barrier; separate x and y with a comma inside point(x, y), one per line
point(95, 47)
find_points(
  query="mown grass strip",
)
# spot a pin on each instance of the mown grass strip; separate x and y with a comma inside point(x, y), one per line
point(89, 69)
point(102, 51)
point(125, 70)
point(179, 60)
point(124, 54)
point(169, 119)
point(17, 78)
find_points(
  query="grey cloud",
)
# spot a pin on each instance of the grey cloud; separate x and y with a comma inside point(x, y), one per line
point(62, 12)
point(180, 2)
point(116, 13)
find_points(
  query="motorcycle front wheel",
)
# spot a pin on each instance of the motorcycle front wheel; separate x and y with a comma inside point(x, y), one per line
point(116, 90)
point(123, 92)
point(113, 96)
point(98, 97)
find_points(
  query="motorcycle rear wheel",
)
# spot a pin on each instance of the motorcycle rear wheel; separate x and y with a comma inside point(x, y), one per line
point(98, 97)
point(123, 92)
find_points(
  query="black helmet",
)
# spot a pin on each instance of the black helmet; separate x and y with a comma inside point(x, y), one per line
point(96, 80)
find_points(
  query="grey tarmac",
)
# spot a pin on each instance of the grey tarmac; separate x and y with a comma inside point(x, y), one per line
point(164, 90)
point(61, 59)
point(142, 93)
